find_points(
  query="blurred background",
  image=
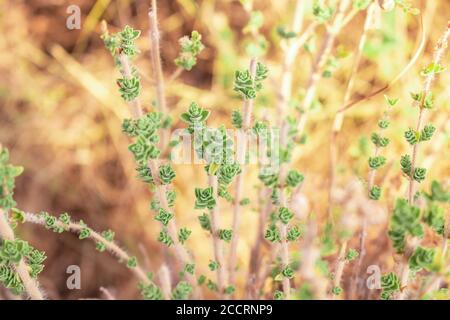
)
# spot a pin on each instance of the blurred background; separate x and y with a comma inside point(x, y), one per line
point(61, 114)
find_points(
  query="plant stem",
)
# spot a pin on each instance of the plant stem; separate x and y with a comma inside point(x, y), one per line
point(339, 270)
point(222, 275)
point(31, 286)
point(255, 256)
point(181, 252)
point(439, 50)
point(164, 279)
point(156, 58)
point(135, 104)
point(242, 151)
point(111, 247)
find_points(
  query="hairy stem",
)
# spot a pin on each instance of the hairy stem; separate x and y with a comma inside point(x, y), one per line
point(164, 279)
point(339, 270)
point(110, 246)
point(156, 58)
point(222, 274)
point(247, 109)
point(440, 48)
point(180, 250)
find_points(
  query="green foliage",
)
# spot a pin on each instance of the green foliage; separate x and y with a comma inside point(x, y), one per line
point(406, 165)
point(435, 217)
point(427, 132)
point(285, 215)
point(278, 295)
point(288, 272)
point(244, 202)
point(322, 12)
point(377, 162)
point(419, 174)
point(165, 238)
point(390, 283)
point(225, 234)
point(205, 222)
point(405, 220)
point(268, 176)
point(204, 198)
point(11, 253)
point(129, 88)
point(352, 254)
point(127, 38)
point(422, 258)
point(226, 174)
point(189, 49)
point(407, 7)
point(123, 41)
point(8, 173)
point(229, 289)
point(85, 232)
point(294, 233)
point(211, 285)
point(412, 136)
point(132, 262)
point(294, 178)
point(375, 193)
point(189, 268)
point(390, 101)
point(184, 234)
point(195, 117)
point(236, 119)
point(163, 216)
point(150, 292)
point(272, 234)
point(143, 150)
point(213, 265)
point(432, 69)
point(255, 22)
point(166, 173)
point(383, 124)
point(438, 193)
point(428, 102)
point(378, 140)
point(246, 85)
point(201, 279)
point(336, 291)
point(182, 291)
point(51, 223)
point(283, 33)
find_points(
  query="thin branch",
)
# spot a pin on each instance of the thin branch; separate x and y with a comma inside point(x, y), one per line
point(31, 286)
point(181, 252)
point(164, 279)
point(156, 58)
point(247, 109)
point(222, 274)
point(341, 262)
point(439, 51)
point(110, 246)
